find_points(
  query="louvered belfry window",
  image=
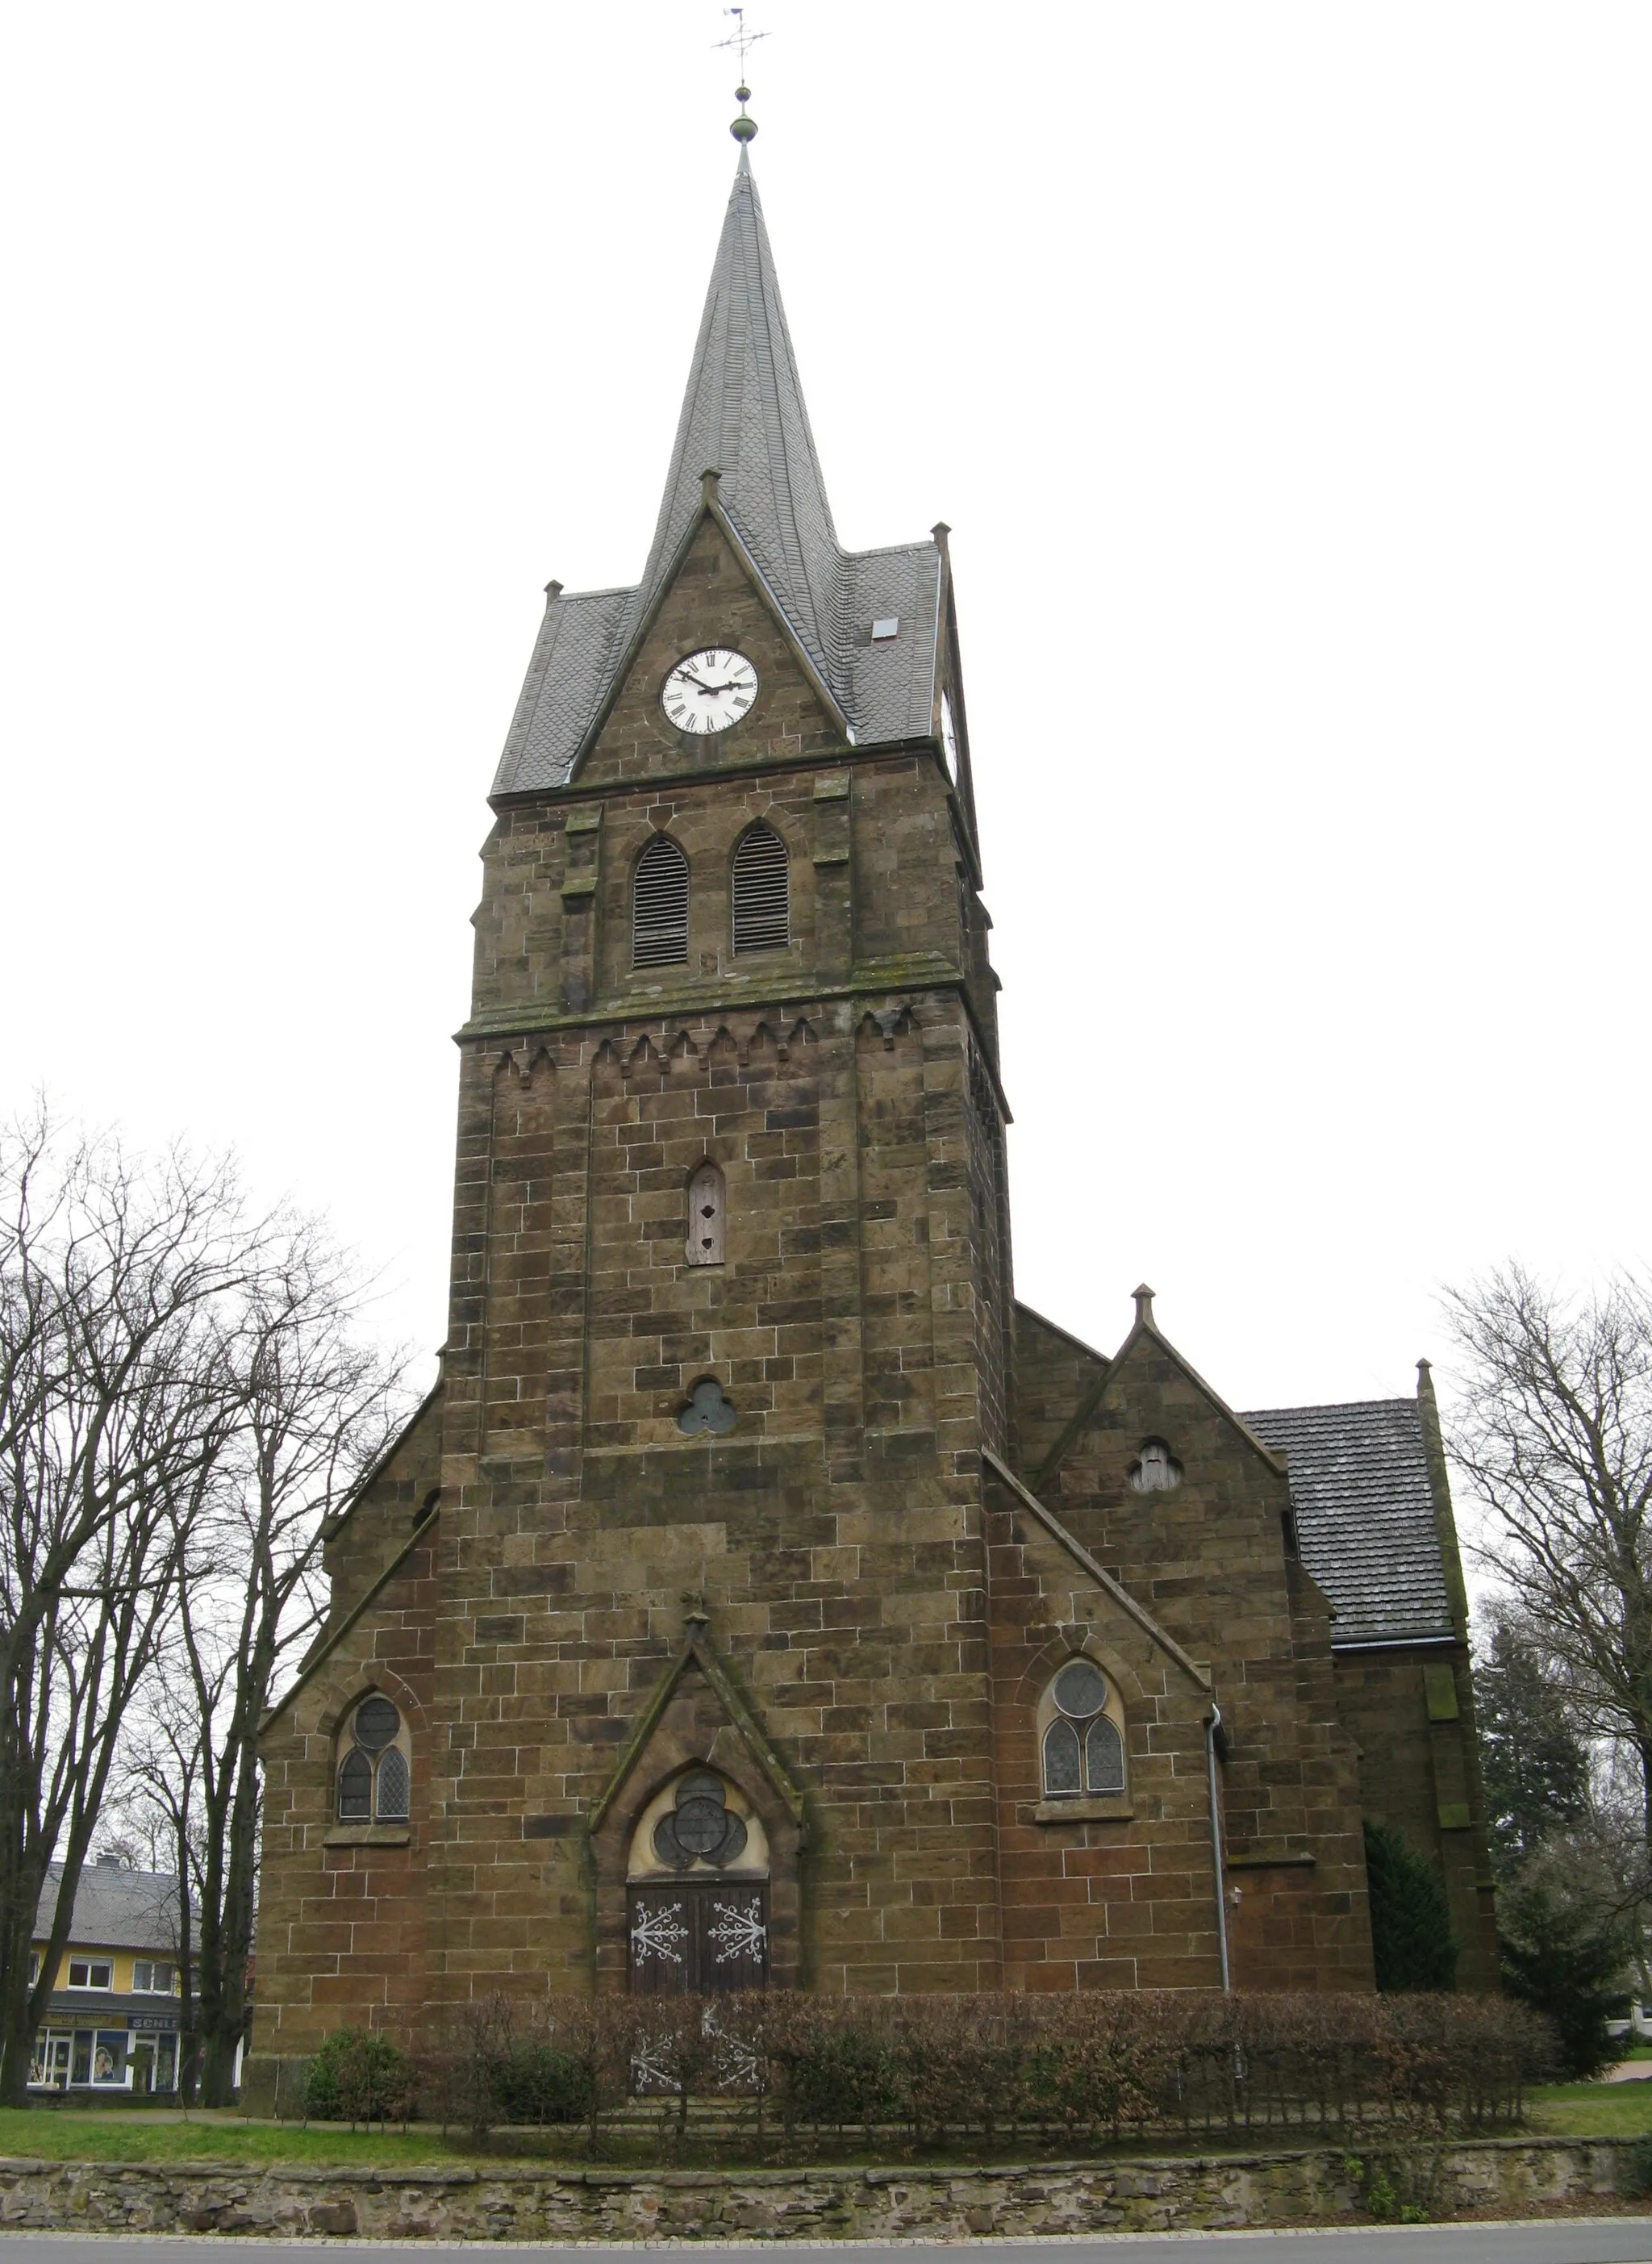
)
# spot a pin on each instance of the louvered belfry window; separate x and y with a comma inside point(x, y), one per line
point(762, 891)
point(659, 906)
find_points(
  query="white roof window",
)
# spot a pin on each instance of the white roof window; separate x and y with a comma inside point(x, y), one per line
point(882, 631)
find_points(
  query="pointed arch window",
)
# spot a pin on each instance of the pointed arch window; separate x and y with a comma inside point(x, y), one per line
point(355, 1788)
point(762, 891)
point(1082, 1744)
point(375, 1774)
point(393, 1787)
point(659, 906)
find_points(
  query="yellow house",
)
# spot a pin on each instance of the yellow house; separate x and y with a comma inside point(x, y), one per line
point(113, 2017)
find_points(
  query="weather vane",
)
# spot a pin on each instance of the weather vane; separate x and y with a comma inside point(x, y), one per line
point(742, 39)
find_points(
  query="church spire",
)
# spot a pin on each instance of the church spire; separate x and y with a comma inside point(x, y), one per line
point(868, 625)
point(744, 418)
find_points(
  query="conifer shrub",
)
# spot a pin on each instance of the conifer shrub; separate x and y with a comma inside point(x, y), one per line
point(360, 2075)
point(1567, 1961)
point(1411, 1919)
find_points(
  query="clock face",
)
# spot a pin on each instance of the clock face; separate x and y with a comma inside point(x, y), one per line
point(710, 690)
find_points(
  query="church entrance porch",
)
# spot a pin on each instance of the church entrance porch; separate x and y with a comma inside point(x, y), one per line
point(696, 1900)
point(698, 1938)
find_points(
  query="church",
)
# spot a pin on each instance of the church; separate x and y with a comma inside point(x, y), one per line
point(762, 1597)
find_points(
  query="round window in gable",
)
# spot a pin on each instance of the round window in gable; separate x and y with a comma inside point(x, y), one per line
point(1155, 1468)
point(1080, 1691)
point(377, 1722)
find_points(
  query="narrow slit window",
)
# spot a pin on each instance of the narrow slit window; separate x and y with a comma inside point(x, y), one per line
point(762, 892)
point(659, 906)
point(706, 1216)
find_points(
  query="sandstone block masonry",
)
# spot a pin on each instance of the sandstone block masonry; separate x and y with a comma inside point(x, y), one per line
point(723, 1609)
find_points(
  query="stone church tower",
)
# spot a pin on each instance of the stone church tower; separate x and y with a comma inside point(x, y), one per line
point(762, 1595)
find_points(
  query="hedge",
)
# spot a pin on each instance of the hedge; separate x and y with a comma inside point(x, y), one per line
point(1072, 2071)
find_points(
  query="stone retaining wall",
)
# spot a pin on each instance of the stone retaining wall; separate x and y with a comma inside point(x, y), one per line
point(526, 2202)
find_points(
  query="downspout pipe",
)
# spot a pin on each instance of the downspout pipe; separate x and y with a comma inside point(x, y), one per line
point(1212, 1729)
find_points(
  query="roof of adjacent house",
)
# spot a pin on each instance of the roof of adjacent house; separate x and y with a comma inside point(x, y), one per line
point(1365, 1523)
point(114, 1908)
point(744, 417)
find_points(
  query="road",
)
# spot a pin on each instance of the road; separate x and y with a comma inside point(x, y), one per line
point(1598, 2240)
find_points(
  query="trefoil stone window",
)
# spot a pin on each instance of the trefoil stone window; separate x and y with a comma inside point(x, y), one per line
point(374, 1776)
point(1083, 1745)
point(1155, 1469)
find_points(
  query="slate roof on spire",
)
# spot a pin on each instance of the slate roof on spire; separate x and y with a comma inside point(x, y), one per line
point(743, 416)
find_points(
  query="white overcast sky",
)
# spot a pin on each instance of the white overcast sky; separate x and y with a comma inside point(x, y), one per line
point(1286, 374)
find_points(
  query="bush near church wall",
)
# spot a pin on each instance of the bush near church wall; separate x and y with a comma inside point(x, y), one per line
point(359, 2077)
point(1082, 2070)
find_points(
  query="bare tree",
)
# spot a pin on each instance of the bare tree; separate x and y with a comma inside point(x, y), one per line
point(317, 1403)
point(1554, 1436)
point(114, 1279)
point(154, 1801)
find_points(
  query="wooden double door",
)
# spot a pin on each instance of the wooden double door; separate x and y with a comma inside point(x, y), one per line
point(699, 1937)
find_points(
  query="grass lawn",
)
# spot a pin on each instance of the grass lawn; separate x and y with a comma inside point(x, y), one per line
point(1605, 2110)
point(1591, 2110)
point(86, 2136)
